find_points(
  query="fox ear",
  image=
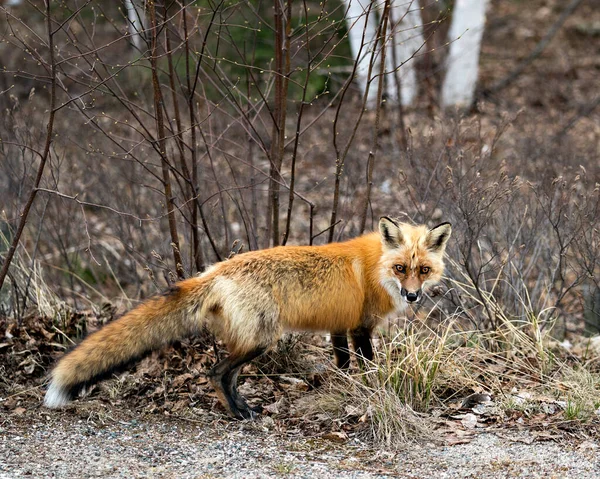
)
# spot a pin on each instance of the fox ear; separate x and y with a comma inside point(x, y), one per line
point(438, 237)
point(390, 232)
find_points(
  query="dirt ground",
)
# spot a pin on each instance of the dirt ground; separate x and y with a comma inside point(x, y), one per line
point(75, 444)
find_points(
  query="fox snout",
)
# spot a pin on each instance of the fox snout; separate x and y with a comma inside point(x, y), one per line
point(411, 296)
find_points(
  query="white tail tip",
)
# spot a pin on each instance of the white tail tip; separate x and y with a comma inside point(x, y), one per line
point(56, 396)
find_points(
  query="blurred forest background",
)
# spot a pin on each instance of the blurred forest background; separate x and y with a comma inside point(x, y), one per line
point(229, 126)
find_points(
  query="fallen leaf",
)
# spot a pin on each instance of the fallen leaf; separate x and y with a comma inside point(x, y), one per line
point(181, 379)
point(336, 436)
point(453, 440)
point(298, 384)
point(588, 446)
point(469, 421)
point(458, 436)
point(273, 408)
point(159, 391)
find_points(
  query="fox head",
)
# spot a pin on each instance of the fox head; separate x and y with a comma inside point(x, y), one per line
point(412, 257)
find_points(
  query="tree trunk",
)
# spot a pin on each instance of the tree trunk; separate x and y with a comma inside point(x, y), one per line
point(407, 38)
point(362, 31)
point(135, 22)
point(466, 31)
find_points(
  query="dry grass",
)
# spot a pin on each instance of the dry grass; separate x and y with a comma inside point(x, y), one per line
point(29, 284)
point(418, 370)
point(383, 418)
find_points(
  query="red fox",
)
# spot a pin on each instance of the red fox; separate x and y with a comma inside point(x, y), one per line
point(249, 300)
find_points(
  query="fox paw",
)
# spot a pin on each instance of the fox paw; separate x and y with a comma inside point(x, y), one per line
point(245, 413)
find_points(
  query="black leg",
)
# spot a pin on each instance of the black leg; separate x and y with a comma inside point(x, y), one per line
point(361, 340)
point(341, 351)
point(240, 402)
point(223, 377)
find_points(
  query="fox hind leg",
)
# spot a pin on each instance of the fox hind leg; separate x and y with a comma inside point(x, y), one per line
point(341, 352)
point(240, 402)
point(223, 377)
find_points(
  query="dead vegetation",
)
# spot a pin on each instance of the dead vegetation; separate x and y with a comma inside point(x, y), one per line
point(508, 341)
point(437, 385)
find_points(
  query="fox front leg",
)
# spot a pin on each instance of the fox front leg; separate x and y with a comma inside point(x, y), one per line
point(361, 340)
point(340, 349)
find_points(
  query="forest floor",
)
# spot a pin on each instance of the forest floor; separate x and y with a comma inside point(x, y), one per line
point(162, 419)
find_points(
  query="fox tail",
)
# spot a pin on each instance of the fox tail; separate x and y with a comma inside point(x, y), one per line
point(159, 321)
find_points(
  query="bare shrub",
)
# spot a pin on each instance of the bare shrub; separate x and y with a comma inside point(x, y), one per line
point(524, 243)
point(196, 132)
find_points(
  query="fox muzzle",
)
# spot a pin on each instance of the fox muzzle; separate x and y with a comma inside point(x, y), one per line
point(411, 296)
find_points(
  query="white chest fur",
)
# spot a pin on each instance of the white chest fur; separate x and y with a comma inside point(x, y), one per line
point(393, 287)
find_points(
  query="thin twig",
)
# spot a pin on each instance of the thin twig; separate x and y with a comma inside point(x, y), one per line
point(158, 111)
point(375, 139)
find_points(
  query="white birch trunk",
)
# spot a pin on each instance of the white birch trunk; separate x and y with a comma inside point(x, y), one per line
point(466, 31)
point(135, 22)
point(406, 39)
point(362, 29)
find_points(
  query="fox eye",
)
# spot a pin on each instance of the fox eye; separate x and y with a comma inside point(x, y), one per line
point(399, 268)
point(425, 269)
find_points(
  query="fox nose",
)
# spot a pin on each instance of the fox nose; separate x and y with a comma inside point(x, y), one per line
point(411, 296)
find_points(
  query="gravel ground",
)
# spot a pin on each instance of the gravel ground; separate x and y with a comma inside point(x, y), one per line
point(66, 446)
